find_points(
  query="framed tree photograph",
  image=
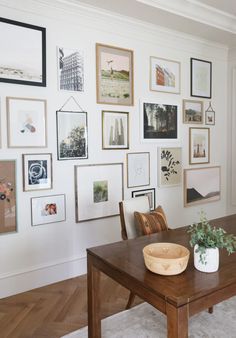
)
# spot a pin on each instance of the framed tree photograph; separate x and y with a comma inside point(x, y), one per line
point(26, 122)
point(98, 189)
point(72, 135)
point(114, 75)
point(37, 172)
point(115, 130)
point(48, 209)
point(138, 169)
point(170, 166)
point(164, 75)
point(192, 112)
point(199, 145)
point(150, 193)
point(201, 78)
point(23, 53)
point(8, 210)
point(201, 185)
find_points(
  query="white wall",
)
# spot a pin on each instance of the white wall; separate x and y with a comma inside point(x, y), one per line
point(35, 256)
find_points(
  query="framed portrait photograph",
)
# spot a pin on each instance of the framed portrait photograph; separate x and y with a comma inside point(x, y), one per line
point(210, 117)
point(37, 171)
point(115, 130)
point(23, 53)
point(170, 166)
point(26, 122)
point(114, 75)
point(150, 193)
point(192, 112)
point(72, 135)
point(138, 169)
point(70, 69)
point(201, 78)
point(98, 189)
point(199, 145)
point(8, 210)
point(201, 185)
point(48, 209)
point(164, 75)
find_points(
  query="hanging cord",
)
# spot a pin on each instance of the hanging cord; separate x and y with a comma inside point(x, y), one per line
point(210, 109)
point(71, 98)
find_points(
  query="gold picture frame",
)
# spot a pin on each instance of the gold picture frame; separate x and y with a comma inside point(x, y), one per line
point(192, 112)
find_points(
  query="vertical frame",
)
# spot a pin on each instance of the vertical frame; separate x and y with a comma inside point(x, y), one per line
point(138, 169)
point(199, 145)
point(201, 78)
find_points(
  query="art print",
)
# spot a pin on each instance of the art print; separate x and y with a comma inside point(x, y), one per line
point(199, 145)
point(170, 167)
point(192, 112)
point(201, 78)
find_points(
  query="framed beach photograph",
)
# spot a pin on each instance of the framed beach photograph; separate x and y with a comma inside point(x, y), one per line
point(199, 145)
point(170, 166)
point(115, 130)
point(72, 135)
point(201, 78)
point(23, 53)
point(26, 122)
point(164, 75)
point(201, 185)
point(192, 112)
point(98, 189)
point(48, 209)
point(138, 169)
point(37, 172)
point(210, 117)
point(114, 75)
point(8, 211)
point(150, 193)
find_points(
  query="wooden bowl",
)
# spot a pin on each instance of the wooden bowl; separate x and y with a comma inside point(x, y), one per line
point(166, 258)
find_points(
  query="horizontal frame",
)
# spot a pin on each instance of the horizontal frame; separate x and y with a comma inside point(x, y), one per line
point(192, 112)
point(138, 169)
point(150, 193)
point(199, 145)
point(201, 78)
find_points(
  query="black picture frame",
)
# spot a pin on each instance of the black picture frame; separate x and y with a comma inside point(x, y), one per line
point(20, 38)
point(146, 192)
point(203, 66)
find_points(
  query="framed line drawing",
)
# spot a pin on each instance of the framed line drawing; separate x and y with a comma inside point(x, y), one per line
point(23, 53)
point(114, 75)
point(150, 193)
point(192, 112)
point(199, 145)
point(138, 169)
point(201, 78)
point(170, 166)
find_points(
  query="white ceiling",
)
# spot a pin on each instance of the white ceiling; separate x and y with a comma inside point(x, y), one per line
point(228, 6)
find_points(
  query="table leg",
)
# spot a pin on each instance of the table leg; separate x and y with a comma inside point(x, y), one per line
point(177, 321)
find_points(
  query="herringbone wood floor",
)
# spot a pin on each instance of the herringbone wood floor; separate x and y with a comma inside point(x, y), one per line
point(57, 309)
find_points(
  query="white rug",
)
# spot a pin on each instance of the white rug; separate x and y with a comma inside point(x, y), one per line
point(144, 321)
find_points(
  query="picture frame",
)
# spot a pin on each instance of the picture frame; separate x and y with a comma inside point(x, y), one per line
point(48, 209)
point(72, 135)
point(170, 166)
point(8, 202)
point(115, 130)
point(150, 193)
point(98, 190)
point(23, 53)
point(201, 78)
point(37, 171)
point(26, 122)
point(192, 112)
point(202, 185)
point(114, 72)
point(138, 169)
point(165, 75)
point(210, 117)
point(199, 145)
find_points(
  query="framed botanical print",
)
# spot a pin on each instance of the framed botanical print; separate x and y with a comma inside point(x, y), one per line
point(201, 78)
point(170, 166)
point(199, 145)
point(138, 169)
point(150, 193)
point(192, 112)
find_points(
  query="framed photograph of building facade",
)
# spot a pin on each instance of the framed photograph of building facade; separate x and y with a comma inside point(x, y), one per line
point(23, 53)
point(201, 78)
point(114, 75)
point(138, 169)
point(199, 145)
point(170, 166)
point(192, 112)
point(150, 193)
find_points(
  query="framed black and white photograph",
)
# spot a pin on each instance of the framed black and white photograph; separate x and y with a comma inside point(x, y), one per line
point(37, 171)
point(23, 53)
point(72, 135)
point(170, 166)
point(210, 117)
point(138, 169)
point(199, 145)
point(192, 112)
point(201, 78)
point(150, 193)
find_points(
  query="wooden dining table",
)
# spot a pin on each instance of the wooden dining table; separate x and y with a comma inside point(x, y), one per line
point(178, 297)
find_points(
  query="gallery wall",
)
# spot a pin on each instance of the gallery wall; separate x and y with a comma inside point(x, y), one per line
point(43, 254)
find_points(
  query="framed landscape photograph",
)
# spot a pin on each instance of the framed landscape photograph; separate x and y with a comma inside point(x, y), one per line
point(98, 189)
point(26, 122)
point(150, 193)
point(48, 209)
point(114, 75)
point(201, 78)
point(72, 135)
point(115, 130)
point(138, 169)
point(37, 172)
point(164, 75)
point(23, 53)
point(192, 112)
point(199, 145)
point(210, 117)
point(201, 185)
point(170, 166)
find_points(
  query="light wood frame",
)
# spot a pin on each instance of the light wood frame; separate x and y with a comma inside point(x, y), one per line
point(201, 159)
point(185, 102)
point(145, 170)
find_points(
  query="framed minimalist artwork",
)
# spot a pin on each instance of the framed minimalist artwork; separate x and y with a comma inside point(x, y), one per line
point(115, 130)
point(170, 166)
point(210, 117)
point(37, 172)
point(192, 112)
point(201, 78)
point(72, 135)
point(150, 193)
point(23, 53)
point(48, 209)
point(201, 185)
point(199, 145)
point(8, 210)
point(98, 190)
point(26, 122)
point(114, 75)
point(138, 169)
point(164, 75)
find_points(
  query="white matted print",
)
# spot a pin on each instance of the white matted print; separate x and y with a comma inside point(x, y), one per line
point(170, 166)
point(138, 169)
point(201, 78)
point(199, 145)
point(192, 112)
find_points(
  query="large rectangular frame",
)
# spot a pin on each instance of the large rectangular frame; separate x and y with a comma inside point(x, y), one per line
point(201, 78)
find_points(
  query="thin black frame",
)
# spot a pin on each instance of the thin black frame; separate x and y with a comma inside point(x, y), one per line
point(41, 83)
point(191, 77)
point(153, 190)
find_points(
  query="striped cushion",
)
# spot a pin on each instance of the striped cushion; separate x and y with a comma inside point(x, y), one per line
point(152, 222)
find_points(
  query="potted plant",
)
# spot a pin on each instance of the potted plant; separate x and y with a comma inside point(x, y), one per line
point(207, 240)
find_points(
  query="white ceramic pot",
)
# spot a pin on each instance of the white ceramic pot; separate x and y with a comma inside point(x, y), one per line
point(211, 257)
